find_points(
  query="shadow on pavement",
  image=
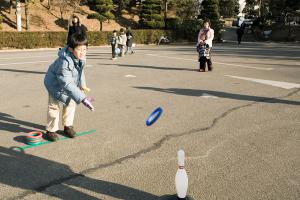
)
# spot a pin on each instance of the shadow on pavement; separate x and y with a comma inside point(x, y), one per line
point(36, 174)
point(149, 67)
point(11, 124)
point(197, 93)
point(22, 71)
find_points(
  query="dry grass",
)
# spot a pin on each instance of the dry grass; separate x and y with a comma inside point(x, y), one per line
point(42, 19)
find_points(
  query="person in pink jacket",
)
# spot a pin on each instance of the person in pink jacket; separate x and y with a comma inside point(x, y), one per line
point(205, 38)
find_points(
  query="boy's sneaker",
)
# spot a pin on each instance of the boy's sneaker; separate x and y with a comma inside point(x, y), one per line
point(52, 136)
point(69, 131)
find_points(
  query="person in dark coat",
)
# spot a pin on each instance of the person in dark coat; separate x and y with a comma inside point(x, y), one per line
point(129, 40)
point(114, 44)
point(240, 32)
point(76, 27)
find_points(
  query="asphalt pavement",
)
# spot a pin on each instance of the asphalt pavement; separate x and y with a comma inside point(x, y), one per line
point(239, 125)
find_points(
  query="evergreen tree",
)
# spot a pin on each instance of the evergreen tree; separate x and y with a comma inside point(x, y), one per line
point(104, 10)
point(186, 21)
point(229, 8)
point(121, 4)
point(150, 14)
point(132, 3)
point(259, 8)
point(282, 9)
point(210, 10)
point(187, 9)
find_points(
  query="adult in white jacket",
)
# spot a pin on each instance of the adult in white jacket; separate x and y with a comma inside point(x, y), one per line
point(205, 37)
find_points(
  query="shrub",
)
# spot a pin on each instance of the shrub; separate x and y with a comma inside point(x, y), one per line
point(1, 20)
point(29, 40)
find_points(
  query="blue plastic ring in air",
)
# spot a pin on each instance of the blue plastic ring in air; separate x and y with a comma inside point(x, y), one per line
point(154, 116)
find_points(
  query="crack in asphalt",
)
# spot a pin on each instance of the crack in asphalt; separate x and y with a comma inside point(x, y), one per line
point(154, 146)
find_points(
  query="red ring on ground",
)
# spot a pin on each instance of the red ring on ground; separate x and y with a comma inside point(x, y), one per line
point(34, 134)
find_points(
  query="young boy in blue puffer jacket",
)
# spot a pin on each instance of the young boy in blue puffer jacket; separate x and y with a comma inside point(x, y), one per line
point(65, 83)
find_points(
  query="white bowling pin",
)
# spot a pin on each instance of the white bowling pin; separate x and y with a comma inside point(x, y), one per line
point(181, 179)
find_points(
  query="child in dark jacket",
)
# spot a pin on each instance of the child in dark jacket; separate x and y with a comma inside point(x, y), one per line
point(129, 41)
point(203, 50)
point(114, 44)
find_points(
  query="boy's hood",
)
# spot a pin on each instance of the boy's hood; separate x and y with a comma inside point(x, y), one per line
point(66, 54)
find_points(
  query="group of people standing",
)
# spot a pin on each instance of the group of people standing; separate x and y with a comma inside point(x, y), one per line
point(121, 43)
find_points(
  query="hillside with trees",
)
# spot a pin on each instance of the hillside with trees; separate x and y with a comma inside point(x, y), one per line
point(54, 15)
point(183, 16)
point(106, 15)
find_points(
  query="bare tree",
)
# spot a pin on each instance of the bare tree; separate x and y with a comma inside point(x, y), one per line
point(18, 15)
point(27, 15)
point(165, 12)
point(49, 4)
point(75, 4)
point(63, 7)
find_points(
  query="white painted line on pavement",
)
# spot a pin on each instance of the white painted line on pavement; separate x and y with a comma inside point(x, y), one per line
point(243, 66)
point(21, 63)
point(259, 56)
point(260, 68)
point(279, 84)
point(130, 76)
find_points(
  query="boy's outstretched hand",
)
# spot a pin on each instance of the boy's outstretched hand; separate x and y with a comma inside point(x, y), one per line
point(88, 103)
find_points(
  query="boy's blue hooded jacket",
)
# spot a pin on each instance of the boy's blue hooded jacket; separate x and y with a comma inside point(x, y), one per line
point(65, 77)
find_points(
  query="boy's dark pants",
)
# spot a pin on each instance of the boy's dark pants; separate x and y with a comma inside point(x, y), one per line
point(113, 49)
point(203, 60)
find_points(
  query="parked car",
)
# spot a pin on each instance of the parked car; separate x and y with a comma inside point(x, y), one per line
point(248, 23)
point(293, 23)
point(243, 22)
